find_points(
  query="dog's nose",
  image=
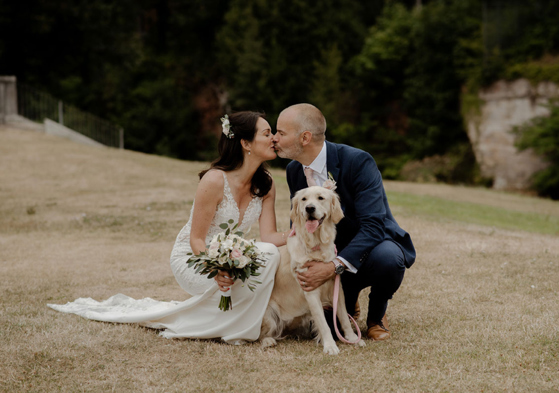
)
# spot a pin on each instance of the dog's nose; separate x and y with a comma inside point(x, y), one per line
point(310, 209)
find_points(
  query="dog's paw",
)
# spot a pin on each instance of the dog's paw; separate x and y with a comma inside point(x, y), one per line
point(331, 349)
point(352, 338)
point(268, 342)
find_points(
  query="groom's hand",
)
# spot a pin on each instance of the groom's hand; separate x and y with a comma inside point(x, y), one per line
point(317, 274)
point(223, 280)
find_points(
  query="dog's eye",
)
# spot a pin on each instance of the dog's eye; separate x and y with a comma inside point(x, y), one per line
point(320, 198)
point(304, 199)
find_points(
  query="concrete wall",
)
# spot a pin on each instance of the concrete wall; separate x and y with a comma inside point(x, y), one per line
point(8, 98)
point(54, 128)
point(23, 123)
point(505, 105)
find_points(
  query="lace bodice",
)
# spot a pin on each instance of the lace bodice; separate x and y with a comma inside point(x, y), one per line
point(194, 283)
point(228, 210)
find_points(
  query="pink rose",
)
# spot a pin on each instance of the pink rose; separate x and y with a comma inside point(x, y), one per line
point(330, 184)
point(236, 253)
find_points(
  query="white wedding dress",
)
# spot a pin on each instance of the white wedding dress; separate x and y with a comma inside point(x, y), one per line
point(199, 316)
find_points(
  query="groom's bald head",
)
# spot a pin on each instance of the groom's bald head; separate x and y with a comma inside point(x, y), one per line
point(308, 117)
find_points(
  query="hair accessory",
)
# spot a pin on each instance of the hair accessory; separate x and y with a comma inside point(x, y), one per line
point(226, 127)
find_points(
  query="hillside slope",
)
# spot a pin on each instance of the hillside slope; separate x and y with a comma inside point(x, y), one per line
point(478, 311)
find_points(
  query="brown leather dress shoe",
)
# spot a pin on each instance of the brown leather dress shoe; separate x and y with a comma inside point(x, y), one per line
point(378, 331)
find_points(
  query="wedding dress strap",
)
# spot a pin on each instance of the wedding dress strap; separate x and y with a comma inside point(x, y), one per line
point(226, 188)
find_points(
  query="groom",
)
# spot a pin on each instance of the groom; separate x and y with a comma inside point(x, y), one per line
point(373, 250)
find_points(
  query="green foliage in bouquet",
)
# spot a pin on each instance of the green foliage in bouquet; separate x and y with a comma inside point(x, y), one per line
point(229, 251)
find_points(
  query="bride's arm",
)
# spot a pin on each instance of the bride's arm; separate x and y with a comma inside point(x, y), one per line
point(268, 228)
point(208, 195)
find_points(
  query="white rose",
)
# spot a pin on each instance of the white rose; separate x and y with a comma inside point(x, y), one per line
point(224, 259)
point(213, 250)
point(243, 261)
point(227, 244)
point(236, 238)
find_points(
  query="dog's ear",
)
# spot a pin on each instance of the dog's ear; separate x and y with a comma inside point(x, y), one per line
point(337, 212)
point(327, 231)
point(294, 216)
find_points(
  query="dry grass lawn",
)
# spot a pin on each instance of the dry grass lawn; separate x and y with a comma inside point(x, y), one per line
point(479, 311)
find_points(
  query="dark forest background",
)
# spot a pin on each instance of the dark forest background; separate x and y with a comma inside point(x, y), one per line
point(388, 75)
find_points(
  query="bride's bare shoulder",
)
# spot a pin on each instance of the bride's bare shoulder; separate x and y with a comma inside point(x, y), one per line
point(212, 179)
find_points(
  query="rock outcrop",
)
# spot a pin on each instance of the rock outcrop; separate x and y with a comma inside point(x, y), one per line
point(504, 105)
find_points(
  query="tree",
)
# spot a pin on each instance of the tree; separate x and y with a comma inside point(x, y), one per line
point(269, 49)
point(542, 135)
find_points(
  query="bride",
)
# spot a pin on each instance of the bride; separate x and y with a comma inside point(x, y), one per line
point(236, 186)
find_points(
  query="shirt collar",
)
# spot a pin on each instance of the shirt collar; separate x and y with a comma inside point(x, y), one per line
point(319, 162)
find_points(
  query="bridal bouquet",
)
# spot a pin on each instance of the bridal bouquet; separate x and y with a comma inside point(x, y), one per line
point(230, 252)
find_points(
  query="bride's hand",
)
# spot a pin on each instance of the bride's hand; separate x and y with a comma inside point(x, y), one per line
point(223, 280)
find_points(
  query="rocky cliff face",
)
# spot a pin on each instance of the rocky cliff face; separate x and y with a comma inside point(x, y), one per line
point(503, 106)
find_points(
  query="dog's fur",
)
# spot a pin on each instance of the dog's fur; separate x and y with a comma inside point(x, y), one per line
point(290, 306)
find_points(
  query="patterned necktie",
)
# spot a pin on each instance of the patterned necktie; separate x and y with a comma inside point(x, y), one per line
point(309, 175)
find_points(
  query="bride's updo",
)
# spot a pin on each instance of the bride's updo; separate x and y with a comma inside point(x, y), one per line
point(243, 126)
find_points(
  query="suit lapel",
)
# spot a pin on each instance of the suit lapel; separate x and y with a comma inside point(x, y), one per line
point(333, 166)
point(332, 161)
point(301, 180)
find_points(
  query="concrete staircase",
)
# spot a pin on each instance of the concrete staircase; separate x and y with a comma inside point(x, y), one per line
point(9, 116)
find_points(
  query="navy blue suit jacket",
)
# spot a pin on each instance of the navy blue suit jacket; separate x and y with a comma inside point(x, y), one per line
point(367, 220)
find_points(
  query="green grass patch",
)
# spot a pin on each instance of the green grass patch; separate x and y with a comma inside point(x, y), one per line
point(473, 213)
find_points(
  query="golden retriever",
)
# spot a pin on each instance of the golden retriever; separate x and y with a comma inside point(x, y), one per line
point(315, 212)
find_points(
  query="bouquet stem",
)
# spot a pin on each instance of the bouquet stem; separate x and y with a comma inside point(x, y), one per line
point(225, 304)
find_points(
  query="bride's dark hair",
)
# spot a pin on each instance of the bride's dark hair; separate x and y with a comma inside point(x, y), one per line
point(243, 126)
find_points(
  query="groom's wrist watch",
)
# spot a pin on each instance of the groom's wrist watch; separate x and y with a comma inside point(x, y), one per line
point(339, 267)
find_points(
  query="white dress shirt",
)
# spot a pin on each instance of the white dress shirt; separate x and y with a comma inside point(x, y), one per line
point(319, 167)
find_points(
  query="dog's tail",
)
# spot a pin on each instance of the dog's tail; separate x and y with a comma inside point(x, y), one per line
point(272, 325)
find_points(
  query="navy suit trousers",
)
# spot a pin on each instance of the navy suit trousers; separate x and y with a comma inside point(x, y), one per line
point(383, 271)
